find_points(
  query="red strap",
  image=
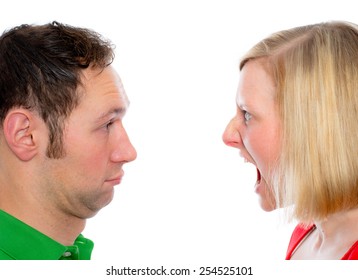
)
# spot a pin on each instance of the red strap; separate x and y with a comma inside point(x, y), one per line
point(298, 234)
point(352, 254)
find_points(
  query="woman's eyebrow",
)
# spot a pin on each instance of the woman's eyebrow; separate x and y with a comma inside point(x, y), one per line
point(242, 105)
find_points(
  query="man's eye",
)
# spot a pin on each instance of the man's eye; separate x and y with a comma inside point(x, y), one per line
point(247, 116)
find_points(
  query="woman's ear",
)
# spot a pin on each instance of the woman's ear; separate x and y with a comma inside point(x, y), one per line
point(19, 127)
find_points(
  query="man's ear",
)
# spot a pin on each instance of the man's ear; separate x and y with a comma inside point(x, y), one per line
point(19, 126)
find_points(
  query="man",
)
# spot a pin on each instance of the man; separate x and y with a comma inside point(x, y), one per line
point(62, 141)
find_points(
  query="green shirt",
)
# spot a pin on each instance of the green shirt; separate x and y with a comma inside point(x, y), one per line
point(19, 241)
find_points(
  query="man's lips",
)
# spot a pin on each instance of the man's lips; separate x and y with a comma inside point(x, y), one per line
point(116, 179)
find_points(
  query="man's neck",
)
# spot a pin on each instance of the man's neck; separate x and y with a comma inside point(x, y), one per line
point(61, 227)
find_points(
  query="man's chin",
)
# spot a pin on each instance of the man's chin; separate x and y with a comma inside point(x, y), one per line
point(94, 207)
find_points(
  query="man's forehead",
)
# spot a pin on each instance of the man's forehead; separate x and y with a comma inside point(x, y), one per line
point(102, 79)
point(91, 73)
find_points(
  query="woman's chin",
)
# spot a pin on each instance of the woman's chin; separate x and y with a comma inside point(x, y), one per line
point(266, 205)
point(266, 198)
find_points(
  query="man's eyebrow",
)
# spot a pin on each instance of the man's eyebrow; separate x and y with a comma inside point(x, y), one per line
point(115, 111)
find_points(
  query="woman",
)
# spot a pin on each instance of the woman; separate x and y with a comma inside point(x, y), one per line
point(297, 122)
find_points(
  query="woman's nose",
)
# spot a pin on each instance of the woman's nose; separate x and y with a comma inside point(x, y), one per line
point(231, 135)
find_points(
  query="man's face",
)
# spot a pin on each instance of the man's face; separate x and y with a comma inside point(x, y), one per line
point(96, 146)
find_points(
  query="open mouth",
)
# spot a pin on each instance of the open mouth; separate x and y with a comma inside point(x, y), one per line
point(258, 176)
point(258, 181)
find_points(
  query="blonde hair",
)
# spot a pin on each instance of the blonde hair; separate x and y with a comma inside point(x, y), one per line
point(315, 70)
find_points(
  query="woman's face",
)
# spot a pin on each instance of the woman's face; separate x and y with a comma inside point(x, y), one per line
point(255, 129)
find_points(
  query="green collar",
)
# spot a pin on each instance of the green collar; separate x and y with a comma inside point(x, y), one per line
point(19, 241)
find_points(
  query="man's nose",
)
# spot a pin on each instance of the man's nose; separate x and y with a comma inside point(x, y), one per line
point(124, 150)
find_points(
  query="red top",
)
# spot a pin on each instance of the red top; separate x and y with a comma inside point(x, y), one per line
point(301, 231)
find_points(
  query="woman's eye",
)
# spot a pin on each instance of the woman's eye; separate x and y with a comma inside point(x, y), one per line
point(109, 124)
point(247, 116)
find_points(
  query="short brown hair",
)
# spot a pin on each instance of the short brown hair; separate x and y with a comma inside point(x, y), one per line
point(40, 67)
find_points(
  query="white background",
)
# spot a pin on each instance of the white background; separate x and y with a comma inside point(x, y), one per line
point(187, 201)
